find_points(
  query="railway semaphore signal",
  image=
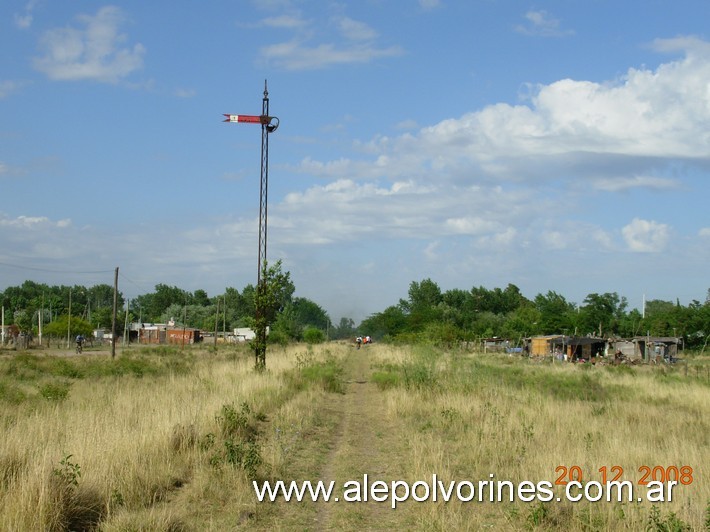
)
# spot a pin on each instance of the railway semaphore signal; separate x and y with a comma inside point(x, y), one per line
point(269, 124)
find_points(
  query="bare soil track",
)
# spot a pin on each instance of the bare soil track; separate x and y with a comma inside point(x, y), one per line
point(365, 442)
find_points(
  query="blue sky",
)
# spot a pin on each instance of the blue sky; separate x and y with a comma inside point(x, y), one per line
point(554, 145)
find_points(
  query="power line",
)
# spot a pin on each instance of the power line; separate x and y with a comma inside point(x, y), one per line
point(137, 285)
point(51, 271)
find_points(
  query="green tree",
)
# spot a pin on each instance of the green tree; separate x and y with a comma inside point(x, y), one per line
point(521, 323)
point(388, 323)
point(272, 294)
point(556, 314)
point(155, 304)
point(601, 314)
point(285, 327)
point(423, 304)
point(311, 314)
point(199, 297)
point(60, 327)
point(345, 329)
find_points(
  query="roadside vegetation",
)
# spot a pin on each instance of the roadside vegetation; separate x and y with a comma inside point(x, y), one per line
point(428, 314)
point(171, 438)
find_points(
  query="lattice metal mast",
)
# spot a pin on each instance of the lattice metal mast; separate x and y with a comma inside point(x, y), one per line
point(268, 125)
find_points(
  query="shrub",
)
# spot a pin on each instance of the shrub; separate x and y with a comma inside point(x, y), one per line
point(386, 379)
point(55, 391)
point(327, 374)
point(311, 335)
point(11, 393)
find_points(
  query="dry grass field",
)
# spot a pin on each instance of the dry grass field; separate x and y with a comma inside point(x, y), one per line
point(171, 439)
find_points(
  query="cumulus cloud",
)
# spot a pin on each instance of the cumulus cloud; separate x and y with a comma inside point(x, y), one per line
point(646, 236)
point(96, 51)
point(521, 179)
point(618, 135)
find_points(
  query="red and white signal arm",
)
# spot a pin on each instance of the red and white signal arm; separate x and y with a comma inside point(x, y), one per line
point(243, 118)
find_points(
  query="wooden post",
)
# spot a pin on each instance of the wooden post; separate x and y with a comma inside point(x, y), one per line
point(216, 321)
point(113, 320)
point(125, 325)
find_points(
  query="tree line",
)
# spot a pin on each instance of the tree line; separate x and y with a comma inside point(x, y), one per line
point(428, 313)
point(464, 315)
point(79, 309)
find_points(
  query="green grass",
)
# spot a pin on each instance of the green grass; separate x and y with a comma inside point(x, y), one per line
point(426, 370)
point(25, 376)
point(325, 373)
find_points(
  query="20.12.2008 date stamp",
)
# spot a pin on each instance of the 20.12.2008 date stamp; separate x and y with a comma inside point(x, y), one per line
point(679, 474)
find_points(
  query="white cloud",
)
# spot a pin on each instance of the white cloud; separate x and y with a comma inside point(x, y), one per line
point(612, 184)
point(185, 93)
point(296, 55)
point(646, 236)
point(429, 4)
point(618, 135)
point(540, 23)
point(471, 225)
point(8, 87)
point(355, 42)
point(35, 223)
point(24, 21)
point(355, 30)
point(285, 21)
point(704, 232)
point(94, 52)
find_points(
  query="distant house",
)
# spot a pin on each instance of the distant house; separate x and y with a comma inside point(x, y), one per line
point(580, 347)
point(656, 348)
point(495, 344)
point(161, 333)
point(538, 346)
point(183, 335)
point(152, 333)
point(623, 346)
point(574, 347)
point(244, 334)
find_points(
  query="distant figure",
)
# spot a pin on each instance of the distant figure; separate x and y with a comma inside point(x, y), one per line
point(79, 343)
point(358, 341)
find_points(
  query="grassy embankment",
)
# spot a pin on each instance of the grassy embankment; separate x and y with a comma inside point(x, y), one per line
point(170, 439)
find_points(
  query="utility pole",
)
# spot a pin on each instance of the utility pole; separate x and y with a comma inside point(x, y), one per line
point(269, 124)
point(216, 322)
point(69, 319)
point(115, 310)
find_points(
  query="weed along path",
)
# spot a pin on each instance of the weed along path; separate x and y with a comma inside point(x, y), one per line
point(365, 448)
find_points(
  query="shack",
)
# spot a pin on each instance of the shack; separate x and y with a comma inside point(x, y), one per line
point(621, 345)
point(167, 334)
point(657, 348)
point(539, 346)
point(580, 347)
point(495, 345)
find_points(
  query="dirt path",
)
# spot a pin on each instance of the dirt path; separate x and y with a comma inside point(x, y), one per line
point(365, 443)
